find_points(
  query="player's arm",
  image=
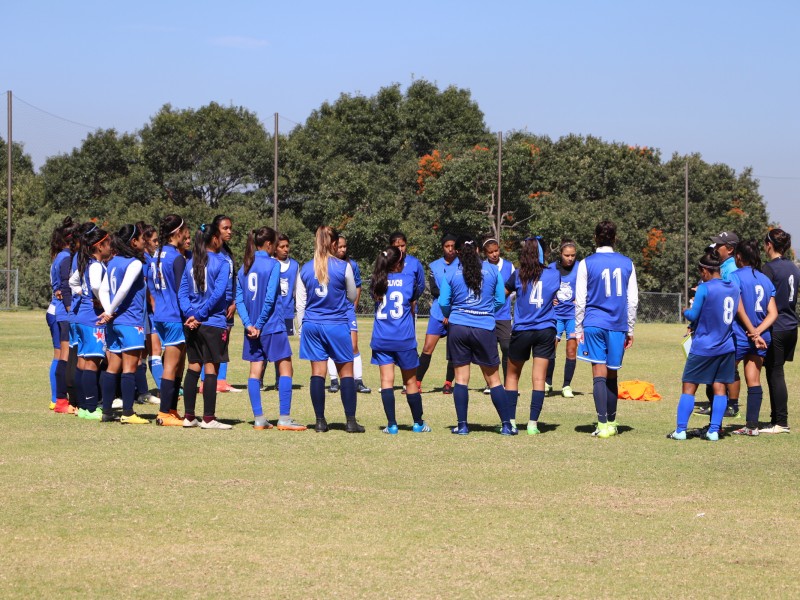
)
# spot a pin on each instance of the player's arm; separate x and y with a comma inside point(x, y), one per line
point(350, 284)
point(633, 305)
point(581, 282)
point(219, 290)
point(499, 293)
point(270, 298)
point(241, 307)
point(300, 298)
point(445, 296)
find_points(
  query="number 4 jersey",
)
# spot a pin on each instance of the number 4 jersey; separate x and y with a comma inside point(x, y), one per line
point(394, 321)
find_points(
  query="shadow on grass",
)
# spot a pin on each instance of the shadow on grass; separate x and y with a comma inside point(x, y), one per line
point(590, 429)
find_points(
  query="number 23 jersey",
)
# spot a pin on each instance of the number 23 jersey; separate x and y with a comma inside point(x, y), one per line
point(394, 321)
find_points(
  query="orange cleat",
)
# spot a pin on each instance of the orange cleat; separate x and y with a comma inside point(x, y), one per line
point(62, 406)
point(168, 420)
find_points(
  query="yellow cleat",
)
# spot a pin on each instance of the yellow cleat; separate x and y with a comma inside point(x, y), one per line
point(134, 419)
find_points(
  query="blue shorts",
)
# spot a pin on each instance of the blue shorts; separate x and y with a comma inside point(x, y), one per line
point(709, 369)
point(149, 324)
point(124, 338)
point(319, 342)
point(91, 341)
point(602, 347)
point(405, 359)
point(436, 327)
point(73, 335)
point(54, 327)
point(351, 317)
point(271, 347)
point(748, 348)
point(467, 345)
point(565, 326)
point(170, 334)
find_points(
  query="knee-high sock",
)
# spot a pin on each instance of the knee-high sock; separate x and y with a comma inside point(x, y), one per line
point(128, 383)
point(108, 385)
point(156, 369)
point(754, 397)
point(72, 364)
point(140, 378)
point(316, 388)
point(685, 408)
point(78, 385)
point(511, 400)
point(61, 380)
point(332, 370)
point(450, 375)
point(53, 384)
point(387, 397)
point(348, 391)
point(415, 404)
point(569, 370)
point(90, 390)
point(358, 367)
point(551, 367)
point(537, 402)
point(223, 372)
point(600, 398)
point(718, 406)
point(461, 400)
point(176, 394)
point(190, 393)
point(498, 395)
point(710, 394)
point(424, 365)
point(210, 398)
point(167, 393)
point(254, 393)
point(612, 391)
point(284, 396)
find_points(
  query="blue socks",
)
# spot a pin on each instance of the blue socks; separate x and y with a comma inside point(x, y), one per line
point(61, 379)
point(108, 384)
point(77, 384)
point(156, 369)
point(685, 408)
point(284, 396)
point(387, 397)
point(612, 393)
point(600, 394)
point(316, 388)
point(498, 395)
point(415, 404)
point(569, 371)
point(718, 406)
point(254, 392)
point(141, 380)
point(128, 384)
point(511, 400)
point(167, 390)
point(754, 397)
point(53, 384)
point(223, 372)
point(90, 389)
point(461, 400)
point(348, 392)
point(537, 402)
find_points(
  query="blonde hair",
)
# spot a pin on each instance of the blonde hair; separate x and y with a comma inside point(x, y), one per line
point(325, 237)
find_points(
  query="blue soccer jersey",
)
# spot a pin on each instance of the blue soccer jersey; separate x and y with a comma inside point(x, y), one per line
point(165, 281)
point(289, 270)
point(209, 305)
point(76, 298)
point(230, 292)
point(326, 303)
point(130, 308)
point(712, 314)
point(756, 291)
point(606, 294)
point(90, 309)
point(412, 266)
point(565, 309)
point(59, 281)
point(394, 323)
point(506, 268)
point(258, 295)
point(534, 306)
point(438, 270)
point(463, 307)
point(785, 276)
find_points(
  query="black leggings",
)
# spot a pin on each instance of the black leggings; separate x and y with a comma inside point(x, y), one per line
point(780, 351)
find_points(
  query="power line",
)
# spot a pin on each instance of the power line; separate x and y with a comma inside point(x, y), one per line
point(93, 128)
point(775, 177)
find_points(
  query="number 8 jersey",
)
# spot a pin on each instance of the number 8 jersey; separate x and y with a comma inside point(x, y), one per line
point(394, 321)
point(713, 311)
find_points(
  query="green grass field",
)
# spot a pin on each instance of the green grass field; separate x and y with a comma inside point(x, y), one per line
point(105, 510)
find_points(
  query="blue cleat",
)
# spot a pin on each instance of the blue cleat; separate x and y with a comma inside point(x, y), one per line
point(461, 429)
point(421, 428)
point(507, 429)
point(390, 429)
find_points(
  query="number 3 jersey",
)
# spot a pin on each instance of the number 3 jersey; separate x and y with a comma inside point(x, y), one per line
point(394, 322)
point(606, 294)
point(712, 314)
point(756, 290)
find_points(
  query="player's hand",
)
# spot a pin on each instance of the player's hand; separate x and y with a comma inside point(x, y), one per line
point(445, 321)
point(192, 323)
point(628, 341)
point(104, 318)
point(252, 332)
point(579, 337)
point(759, 342)
point(58, 294)
point(230, 312)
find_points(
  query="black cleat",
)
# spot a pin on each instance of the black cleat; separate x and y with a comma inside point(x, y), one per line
point(353, 426)
point(321, 426)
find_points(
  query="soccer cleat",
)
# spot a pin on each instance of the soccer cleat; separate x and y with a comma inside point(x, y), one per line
point(52, 405)
point(108, 418)
point(421, 428)
point(72, 410)
point(566, 392)
point(223, 387)
point(175, 413)
point(487, 391)
point(506, 429)
point(513, 423)
point(191, 422)
point(775, 429)
point(612, 428)
point(390, 429)
point(532, 428)
point(361, 388)
point(214, 425)
point(168, 420)
point(703, 411)
point(290, 425)
point(133, 419)
point(81, 412)
point(746, 431)
point(676, 435)
point(732, 412)
point(699, 432)
point(151, 398)
point(548, 388)
point(321, 426)
point(353, 426)
point(95, 415)
point(460, 429)
point(602, 431)
point(447, 388)
point(712, 436)
point(261, 423)
point(333, 388)
point(62, 406)
point(117, 404)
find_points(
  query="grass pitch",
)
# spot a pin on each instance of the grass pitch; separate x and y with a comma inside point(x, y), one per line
point(105, 510)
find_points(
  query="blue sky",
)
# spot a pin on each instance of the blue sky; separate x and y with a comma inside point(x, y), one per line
point(718, 78)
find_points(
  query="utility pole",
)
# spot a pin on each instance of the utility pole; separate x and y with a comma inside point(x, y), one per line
point(499, 181)
point(275, 179)
point(686, 234)
point(9, 143)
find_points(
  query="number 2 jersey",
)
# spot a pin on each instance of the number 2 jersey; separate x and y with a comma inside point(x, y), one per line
point(712, 314)
point(394, 322)
point(756, 290)
point(606, 294)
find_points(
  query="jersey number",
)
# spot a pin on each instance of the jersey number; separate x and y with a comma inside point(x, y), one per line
point(397, 301)
point(727, 310)
point(536, 295)
point(252, 284)
point(112, 280)
point(791, 288)
point(759, 298)
point(616, 275)
point(321, 291)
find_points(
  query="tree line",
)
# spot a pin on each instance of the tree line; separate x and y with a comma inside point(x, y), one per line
point(421, 160)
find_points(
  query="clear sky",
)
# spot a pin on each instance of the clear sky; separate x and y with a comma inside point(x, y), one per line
point(721, 78)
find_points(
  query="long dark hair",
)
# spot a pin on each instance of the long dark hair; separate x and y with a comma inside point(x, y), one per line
point(530, 269)
point(200, 253)
point(61, 236)
point(397, 235)
point(471, 266)
point(750, 254)
point(710, 260)
point(89, 240)
point(781, 240)
point(122, 242)
point(605, 233)
point(386, 262)
point(170, 225)
point(217, 222)
point(255, 239)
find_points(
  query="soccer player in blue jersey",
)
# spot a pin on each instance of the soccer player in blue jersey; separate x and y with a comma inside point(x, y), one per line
point(123, 296)
point(203, 299)
point(411, 264)
point(95, 251)
point(58, 315)
point(151, 357)
point(758, 304)
point(469, 297)
point(502, 318)
point(259, 306)
point(565, 315)
point(166, 275)
point(711, 359)
point(325, 289)
point(438, 322)
point(358, 367)
point(534, 328)
point(785, 276)
point(606, 298)
point(394, 340)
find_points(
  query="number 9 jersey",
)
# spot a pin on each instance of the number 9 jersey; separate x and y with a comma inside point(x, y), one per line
point(394, 322)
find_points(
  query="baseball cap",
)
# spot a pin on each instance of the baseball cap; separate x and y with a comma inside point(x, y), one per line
point(726, 237)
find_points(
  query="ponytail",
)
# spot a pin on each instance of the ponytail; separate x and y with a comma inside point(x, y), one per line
point(471, 266)
point(89, 243)
point(387, 260)
point(200, 253)
point(255, 239)
point(323, 240)
point(169, 226)
point(749, 254)
point(122, 242)
point(530, 269)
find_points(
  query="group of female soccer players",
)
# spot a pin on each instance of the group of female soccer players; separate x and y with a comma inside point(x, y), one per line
point(119, 298)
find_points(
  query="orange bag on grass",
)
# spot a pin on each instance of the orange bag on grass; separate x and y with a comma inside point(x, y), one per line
point(638, 390)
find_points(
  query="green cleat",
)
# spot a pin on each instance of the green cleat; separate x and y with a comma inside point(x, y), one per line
point(532, 428)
